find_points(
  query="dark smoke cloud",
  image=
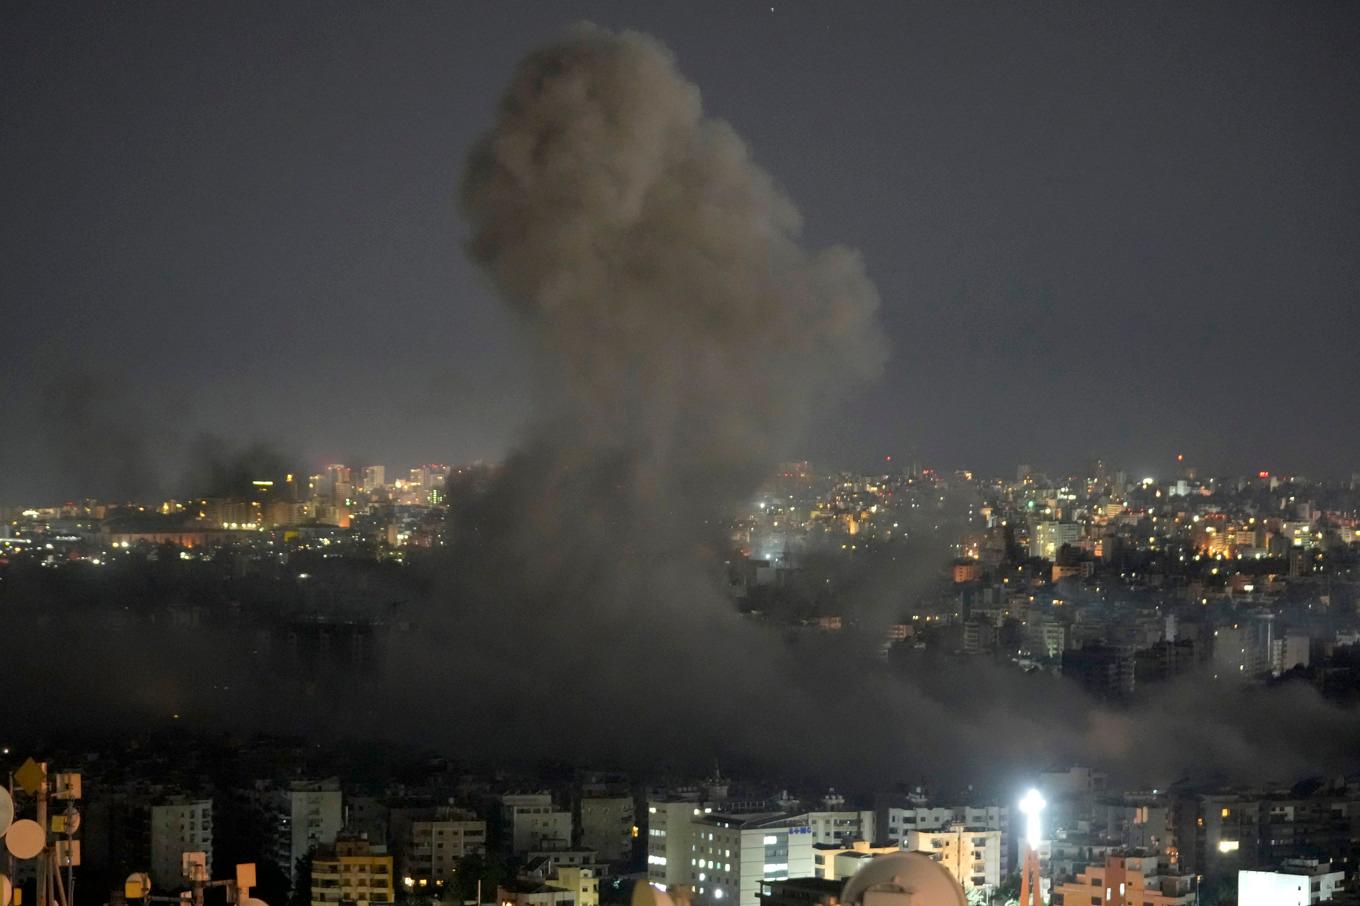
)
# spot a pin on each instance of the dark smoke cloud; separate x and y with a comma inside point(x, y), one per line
point(217, 467)
point(100, 441)
point(682, 327)
point(685, 338)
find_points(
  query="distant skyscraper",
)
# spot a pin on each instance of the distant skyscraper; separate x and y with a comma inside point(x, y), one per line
point(341, 482)
point(375, 477)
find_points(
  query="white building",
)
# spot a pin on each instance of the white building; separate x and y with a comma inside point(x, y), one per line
point(903, 821)
point(669, 839)
point(1289, 652)
point(730, 855)
point(841, 826)
point(297, 818)
point(1047, 538)
point(179, 825)
point(972, 854)
point(532, 822)
point(1296, 883)
point(313, 817)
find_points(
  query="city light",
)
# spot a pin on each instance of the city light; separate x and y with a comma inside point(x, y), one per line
point(1030, 806)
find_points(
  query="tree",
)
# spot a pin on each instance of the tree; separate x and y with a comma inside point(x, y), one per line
point(302, 887)
point(490, 869)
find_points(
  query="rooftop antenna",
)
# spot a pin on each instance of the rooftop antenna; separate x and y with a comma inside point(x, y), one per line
point(47, 839)
point(194, 867)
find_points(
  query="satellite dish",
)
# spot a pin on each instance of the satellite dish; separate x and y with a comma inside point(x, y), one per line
point(137, 886)
point(25, 839)
point(6, 891)
point(6, 816)
point(903, 879)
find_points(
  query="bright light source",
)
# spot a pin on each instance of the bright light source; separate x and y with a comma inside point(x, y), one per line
point(1030, 807)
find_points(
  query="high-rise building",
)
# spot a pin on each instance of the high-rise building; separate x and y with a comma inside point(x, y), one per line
point(375, 477)
point(607, 826)
point(179, 825)
point(669, 839)
point(296, 819)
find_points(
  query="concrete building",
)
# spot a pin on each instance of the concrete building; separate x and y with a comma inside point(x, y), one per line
point(1297, 882)
point(1143, 823)
point(669, 839)
point(296, 819)
point(374, 478)
point(584, 882)
point(1129, 880)
point(839, 827)
point(1294, 650)
point(732, 855)
point(1046, 638)
point(534, 893)
point(531, 822)
point(178, 825)
point(972, 854)
point(1046, 538)
point(430, 841)
point(352, 871)
point(581, 881)
point(836, 862)
point(1240, 651)
point(801, 892)
point(897, 822)
point(607, 826)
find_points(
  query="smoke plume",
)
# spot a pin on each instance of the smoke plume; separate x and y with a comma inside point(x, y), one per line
point(685, 334)
point(685, 338)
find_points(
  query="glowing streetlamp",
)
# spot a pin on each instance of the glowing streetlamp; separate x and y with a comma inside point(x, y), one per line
point(1030, 807)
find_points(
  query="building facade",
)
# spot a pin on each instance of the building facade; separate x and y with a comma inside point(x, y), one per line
point(352, 871)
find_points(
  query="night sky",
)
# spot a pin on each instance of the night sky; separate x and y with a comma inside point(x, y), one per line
point(1118, 230)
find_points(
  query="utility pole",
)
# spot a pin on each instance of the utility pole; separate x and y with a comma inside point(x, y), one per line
point(43, 898)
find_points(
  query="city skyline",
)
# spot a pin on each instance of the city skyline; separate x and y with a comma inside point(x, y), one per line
point(723, 454)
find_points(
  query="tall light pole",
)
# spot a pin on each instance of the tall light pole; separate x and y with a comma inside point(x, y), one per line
point(1030, 892)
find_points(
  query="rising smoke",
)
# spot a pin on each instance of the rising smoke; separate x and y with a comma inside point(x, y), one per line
point(685, 339)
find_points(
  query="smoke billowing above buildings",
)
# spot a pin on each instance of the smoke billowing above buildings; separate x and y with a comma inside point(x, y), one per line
point(685, 337)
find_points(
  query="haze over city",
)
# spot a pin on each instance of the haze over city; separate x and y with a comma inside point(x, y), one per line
point(910, 446)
